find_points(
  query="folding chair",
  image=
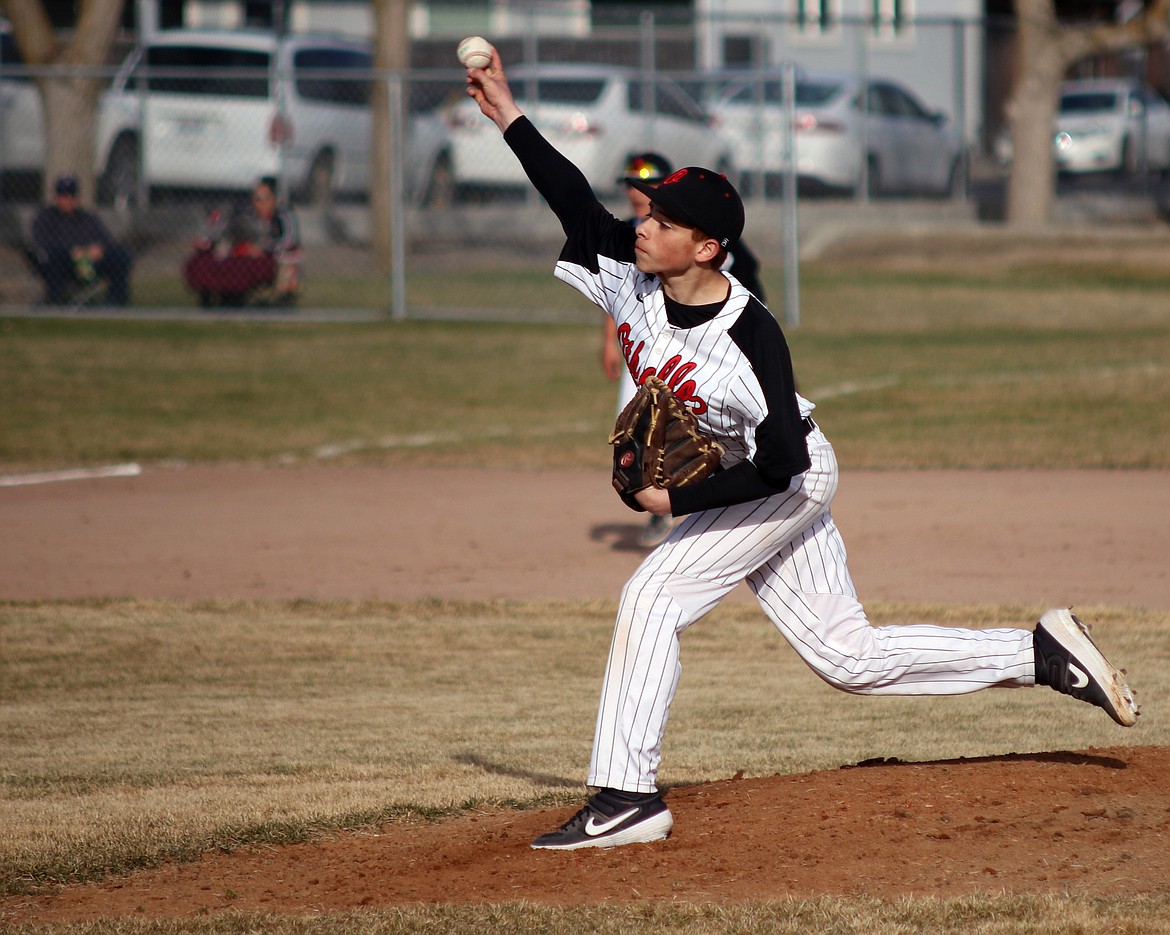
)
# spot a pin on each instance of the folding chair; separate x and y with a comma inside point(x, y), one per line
point(77, 296)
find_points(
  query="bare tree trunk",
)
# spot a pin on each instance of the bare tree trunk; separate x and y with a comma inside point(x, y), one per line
point(1046, 50)
point(391, 53)
point(70, 105)
point(1032, 110)
point(70, 101)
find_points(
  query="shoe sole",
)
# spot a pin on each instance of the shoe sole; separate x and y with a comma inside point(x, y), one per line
point(1073, 635)
point(655, 828)
point(650, 540)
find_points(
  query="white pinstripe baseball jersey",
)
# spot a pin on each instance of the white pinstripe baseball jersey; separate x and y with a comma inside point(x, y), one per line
point(706, 370)
point(775, 530)
point(729, 363)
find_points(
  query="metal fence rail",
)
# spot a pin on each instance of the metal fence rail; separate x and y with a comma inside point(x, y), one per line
point(173, 144)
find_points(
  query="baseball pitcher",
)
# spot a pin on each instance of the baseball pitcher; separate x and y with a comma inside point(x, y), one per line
point(763, 516)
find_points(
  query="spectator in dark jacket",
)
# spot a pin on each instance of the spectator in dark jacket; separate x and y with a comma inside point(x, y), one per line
point(72, 246)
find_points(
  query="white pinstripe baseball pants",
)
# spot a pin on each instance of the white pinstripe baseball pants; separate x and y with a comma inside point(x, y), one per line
point(788, 549)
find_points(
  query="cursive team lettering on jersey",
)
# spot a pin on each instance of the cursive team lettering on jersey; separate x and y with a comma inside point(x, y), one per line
point(672, 374)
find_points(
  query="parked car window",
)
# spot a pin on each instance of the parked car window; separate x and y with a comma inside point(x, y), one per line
point(332, 88)
point(671, 102)
point(10, 58)
point(560, 90)
point(901, 104)
point(815, 93)
point(221, 72)
point(875, 101)
point(636, 97)
point(770, 92)
point(1087, 103)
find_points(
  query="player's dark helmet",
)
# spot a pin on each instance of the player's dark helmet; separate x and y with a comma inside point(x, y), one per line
point(647, 167)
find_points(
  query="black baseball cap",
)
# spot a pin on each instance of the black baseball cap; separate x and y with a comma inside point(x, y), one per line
point(66, 185)
point(701, 198)
point(647, 167)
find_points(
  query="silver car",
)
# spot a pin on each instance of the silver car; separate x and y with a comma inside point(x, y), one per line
point(597, 116)
point(21, 124)
point(1107, 125)
point(847, 129)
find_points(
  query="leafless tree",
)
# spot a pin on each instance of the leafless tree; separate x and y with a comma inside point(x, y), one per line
point(1046, 50)
point(70, 99)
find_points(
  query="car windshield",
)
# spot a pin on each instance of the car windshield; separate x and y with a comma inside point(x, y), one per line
point(200, 69)
point(771, 91)
point(333, 87)
point(1085, 103)
point(559, 90)
point(808, 93)
point(815, 93)
point(9, 53)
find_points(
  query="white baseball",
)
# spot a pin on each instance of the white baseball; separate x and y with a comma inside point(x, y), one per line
point(474, 52)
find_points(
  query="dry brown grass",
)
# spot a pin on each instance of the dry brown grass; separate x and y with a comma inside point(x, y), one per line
point(140, 729)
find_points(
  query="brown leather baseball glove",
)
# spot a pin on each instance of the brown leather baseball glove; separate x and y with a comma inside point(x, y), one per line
point(657, 443)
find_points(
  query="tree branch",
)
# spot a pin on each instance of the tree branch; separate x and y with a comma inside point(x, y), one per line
point(1150, 26)
point(32, 31)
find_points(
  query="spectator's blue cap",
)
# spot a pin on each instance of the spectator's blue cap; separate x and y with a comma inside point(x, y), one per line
point(67, 185)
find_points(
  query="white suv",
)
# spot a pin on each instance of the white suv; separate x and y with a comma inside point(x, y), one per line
point(216, 110)
point(22, 145)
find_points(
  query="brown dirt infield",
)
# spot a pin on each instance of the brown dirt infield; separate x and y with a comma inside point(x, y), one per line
point(1093, 822)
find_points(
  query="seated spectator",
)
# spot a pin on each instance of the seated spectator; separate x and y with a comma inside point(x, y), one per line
point(72, 247)
point(254, 249)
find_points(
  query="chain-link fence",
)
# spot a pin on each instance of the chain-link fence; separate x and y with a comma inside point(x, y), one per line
point(189, 122)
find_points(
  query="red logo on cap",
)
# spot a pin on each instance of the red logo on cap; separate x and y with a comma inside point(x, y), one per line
point(674, 176)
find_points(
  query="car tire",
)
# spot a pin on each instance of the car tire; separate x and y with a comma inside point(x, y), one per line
point(956, 184)
point(873, 176)
point(318, 190)
point(1127, 163)
point(119, 184)
point(440, 190)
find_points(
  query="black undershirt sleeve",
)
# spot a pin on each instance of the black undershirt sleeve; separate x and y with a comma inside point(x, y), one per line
point(738, 484)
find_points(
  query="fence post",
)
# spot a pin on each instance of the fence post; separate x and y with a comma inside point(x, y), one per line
point(531, 58)
point(277, 78)
point(398, 129)
point(959, 42)
point(141, 184)
point(648, 60)
point(863, 179)
point(789, 214)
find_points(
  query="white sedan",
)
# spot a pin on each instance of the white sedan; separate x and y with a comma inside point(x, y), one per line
point(1108, 125)
point(597, 116)
point(847, 129)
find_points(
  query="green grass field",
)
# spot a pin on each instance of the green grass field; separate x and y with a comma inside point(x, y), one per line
point(120, 730)
point(907, 372)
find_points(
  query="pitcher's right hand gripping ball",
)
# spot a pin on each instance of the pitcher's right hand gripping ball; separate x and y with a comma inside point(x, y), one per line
point(657, 443)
